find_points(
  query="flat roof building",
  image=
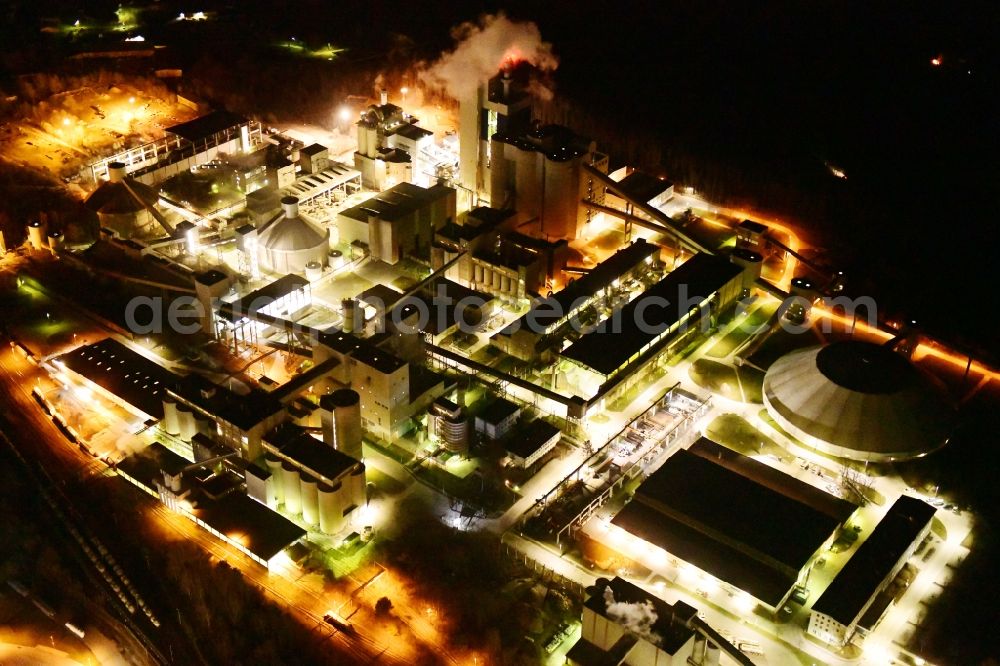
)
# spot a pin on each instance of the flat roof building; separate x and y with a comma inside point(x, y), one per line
point(854, 599)
point(759, 533)
point(702, 286)
point(529, 443)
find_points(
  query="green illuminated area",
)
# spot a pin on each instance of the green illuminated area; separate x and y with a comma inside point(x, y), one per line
point(298, 48)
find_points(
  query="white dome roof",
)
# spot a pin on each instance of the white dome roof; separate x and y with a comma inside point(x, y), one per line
point(292, 234)
point(857, 400)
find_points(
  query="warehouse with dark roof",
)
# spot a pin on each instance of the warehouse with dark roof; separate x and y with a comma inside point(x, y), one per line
point(759, 532)
point(854, 600)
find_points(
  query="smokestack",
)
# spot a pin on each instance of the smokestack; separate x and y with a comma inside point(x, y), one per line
point(116, 172)
point(506, 83)
point(291, 207)
point(383, 96)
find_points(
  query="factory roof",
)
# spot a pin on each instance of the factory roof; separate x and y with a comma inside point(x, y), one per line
point(379, 295)
point(294, 443)
point(125, 373)
point(668, 630)
point(234, 515)
point(440, 300)
point(768, 519)
point(313, 149)
point(313, 185)
point(642, 186)
point(263, 532)
point(527, 440)
point(397, 202)
point(489, 216)
point(210, 277)
point(261, 298)
point(557, 142)
point(206, 126)
point(498, 410)
point(379, 359)
point(412, 132)
point(656, 310)
point(720, 560)
point(729, 524)
point(549, 311)
point(755, 227)
point(424, 379)
point(875, 560)
point(819, 500)
point(241, 410)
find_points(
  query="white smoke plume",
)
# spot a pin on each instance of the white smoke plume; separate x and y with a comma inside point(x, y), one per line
point(637, 618)
point(483, 48)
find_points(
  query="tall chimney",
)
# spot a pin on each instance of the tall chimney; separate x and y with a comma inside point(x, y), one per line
point(383, 96)
point(116, 172)
point(506, 84)
point(291, 207)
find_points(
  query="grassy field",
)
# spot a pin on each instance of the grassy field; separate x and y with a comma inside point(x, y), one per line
point(744, 384)
point(738, 434)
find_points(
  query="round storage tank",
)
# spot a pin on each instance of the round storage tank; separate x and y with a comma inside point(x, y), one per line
point(713, 655)
point(310, 500)
point(329, 516)
point(336, 259)
point(278, 482)
point(751, 263)
point(314, 271)
point(171, 421)
point(36, 235)
point(344, 410)
point(56, 242)
point(293, 490)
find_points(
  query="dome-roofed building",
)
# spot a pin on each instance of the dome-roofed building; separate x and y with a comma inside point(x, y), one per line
point(858, 400)
point(124, 205)
point(289, 242)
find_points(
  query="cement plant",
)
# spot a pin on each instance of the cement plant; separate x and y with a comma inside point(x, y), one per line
point(437, 380)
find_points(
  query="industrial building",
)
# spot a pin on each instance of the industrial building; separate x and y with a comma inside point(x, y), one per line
point(391, 147)
point(537, 171)
point(624, 624)
point(540, 173)
point(439, 309)
point(399, 221)
point(662, 319)
point(753, 528)
point(239, 323)
point(862, 592)
point(530, 443)
point(527, 337)
point(496, 420)
point(391, 390)
point(308, 478)
point(212, 500)
point(448, 422)
point(858, 400)
point(493, 256)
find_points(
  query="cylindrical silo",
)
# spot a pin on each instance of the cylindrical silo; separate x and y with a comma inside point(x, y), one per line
point(358, 490)
point(336, 259)
point(349, 312)
point(36, 235)
point(55, 241)
point(277, 480)
point(329, 516)
point(293, 490)
point(713, 655)
point(187, 426)
point(314, 271)
point(310, 499)
point(362, 139)
point(341, 419)
point(371, 142)
point(171, 422)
